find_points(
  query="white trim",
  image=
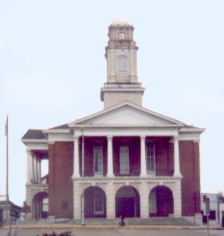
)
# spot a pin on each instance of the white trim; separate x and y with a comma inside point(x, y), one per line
point(34, 140)
point(129, 131)
point(53, 131)
point(126, 89)
point(123, 49)
point(193, 129)
point(78, 121)
point(37, 146)
point(127, 126)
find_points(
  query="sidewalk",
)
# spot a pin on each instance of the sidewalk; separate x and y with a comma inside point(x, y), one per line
point(70, 226)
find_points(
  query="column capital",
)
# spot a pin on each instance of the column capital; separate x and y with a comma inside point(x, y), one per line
point(174, 138)
point(28, 150)
point(110, 136)
point(142, 136)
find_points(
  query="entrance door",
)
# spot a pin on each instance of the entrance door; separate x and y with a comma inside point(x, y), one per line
point(127, 202)
point(160, 202)
point(125, 207)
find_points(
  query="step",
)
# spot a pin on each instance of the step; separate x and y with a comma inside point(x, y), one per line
point(135, 221)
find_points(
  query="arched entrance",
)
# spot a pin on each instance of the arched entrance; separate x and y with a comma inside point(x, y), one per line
point(160, 202)
point(94, 203)
point(40, 205)
point(127, 202)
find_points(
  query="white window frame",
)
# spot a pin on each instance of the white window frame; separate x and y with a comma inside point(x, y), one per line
point(122, 65)
point(98, 199)
point(98, 152)
point(150, 157)
point(124, 160)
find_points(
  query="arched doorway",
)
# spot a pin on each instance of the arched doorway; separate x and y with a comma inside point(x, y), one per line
point(40, 205)
point(160, 202)
point(127, 202)
point(94, 203)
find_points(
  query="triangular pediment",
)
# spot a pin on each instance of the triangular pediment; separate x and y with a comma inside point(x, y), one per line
point(127, 114)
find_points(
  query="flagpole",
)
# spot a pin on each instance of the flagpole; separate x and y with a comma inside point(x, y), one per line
point(7, 172)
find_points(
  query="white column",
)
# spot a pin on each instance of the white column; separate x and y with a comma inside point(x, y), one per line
point(77, 200)
point(110, 201)
point(144, 206)
point(143, 158)
point(32, 168)
point(39, 170)
point(176, 157)
point(177, 199)
point(35, 169)
point(110, 172)
point(76, 173)
point(28, 180)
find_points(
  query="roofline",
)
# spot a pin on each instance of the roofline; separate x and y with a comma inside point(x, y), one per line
point(127, 126)
point(193, 129)
point(53, 131)
point(120, 105)
point(34, 140)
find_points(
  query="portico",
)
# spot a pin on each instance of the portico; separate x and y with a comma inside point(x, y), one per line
point(132, 155)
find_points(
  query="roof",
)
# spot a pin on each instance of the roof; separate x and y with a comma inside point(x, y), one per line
point(121, 21)
point(3, 203)
point(121, 105)
point(34, 134)
point(65, 126)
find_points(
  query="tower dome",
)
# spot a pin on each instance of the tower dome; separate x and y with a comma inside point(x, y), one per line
point(120, 20)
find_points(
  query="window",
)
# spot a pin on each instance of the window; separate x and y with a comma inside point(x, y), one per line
point(212, 215)
point(124, 160)
point(98, 201)
point(150, 157)
point(122, 65)
point(98, 160)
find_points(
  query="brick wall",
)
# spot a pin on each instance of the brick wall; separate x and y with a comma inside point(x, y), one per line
point(190, 184)
point(60, 182)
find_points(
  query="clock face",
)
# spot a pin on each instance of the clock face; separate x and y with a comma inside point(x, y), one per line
point(121, 35)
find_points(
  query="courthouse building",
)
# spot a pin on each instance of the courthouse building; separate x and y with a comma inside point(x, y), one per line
point(137, 163)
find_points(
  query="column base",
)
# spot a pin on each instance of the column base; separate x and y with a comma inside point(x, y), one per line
point(76, 176)
point(177, 175)
point(143, 175)
point(110, 175)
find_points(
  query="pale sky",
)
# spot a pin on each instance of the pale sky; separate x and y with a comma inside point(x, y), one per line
point(52, 66)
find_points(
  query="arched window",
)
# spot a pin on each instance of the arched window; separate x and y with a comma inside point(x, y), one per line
point(122, 65)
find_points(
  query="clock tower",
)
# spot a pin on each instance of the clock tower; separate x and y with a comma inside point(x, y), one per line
point(121, 55)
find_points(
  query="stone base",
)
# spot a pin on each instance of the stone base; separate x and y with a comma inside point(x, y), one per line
point(198, 219)
point(51, 219)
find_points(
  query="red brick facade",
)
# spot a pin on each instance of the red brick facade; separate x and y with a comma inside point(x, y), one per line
point(190, 169)
point(60, 182)
point(61, 169)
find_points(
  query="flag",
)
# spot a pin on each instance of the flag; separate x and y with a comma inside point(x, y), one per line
point(6, 127)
